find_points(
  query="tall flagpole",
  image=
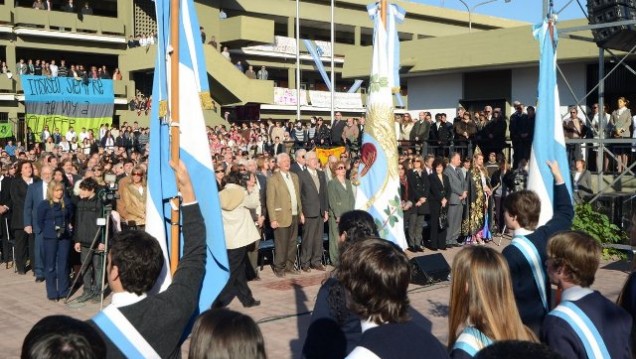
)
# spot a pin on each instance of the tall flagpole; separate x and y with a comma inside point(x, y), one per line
point(297, 60)
point(174, 123)
point(383, 7)
point(333, 50)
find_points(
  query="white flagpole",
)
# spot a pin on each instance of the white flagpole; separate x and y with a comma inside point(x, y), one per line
point(297, 60)
point(333, 48)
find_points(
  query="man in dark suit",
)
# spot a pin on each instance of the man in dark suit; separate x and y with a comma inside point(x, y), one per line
point(158, 319)
point(441, 134)
point(495, 133)
point(520, 134)
point(527, 252)
point(458, 193)
point(69, 6)
point(36, 194)
point(5, 215)
point(277, 147)
point(337, 127)
point(313, 195)
point(299, 164)
point(420, 131)
point(284, 208)
point(585, 324)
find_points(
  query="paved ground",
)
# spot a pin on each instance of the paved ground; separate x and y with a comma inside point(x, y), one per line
point(283, 315)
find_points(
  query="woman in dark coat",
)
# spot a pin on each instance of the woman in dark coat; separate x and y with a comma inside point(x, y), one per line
point(438, 198)
point(54, 217)
point(18, 190)
point(418, 185)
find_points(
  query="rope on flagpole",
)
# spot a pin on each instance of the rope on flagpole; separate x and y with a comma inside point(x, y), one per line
point(174, 126)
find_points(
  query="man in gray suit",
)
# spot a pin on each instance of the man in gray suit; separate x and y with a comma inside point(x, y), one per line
point(313, 195)
point(458, 194)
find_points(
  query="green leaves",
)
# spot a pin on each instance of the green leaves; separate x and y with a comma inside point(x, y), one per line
point(376, 82)
point(598, 225)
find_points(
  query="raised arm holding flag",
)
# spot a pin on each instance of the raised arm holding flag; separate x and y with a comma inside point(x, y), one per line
point(140, 323)
point(534, 215)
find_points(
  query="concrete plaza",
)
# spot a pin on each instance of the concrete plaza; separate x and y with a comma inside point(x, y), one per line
point(283, 315)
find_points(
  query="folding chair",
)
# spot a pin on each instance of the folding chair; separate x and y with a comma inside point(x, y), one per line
point(265, 247)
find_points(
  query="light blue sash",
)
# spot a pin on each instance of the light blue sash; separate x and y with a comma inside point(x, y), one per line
point(531, 254)
point(471, 340)
point(584, 329)
point(123, 334)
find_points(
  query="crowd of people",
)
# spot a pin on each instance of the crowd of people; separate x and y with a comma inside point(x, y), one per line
point(40, 67)
point(272, 184)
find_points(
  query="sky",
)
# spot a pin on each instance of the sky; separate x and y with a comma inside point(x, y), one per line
point(524, 10)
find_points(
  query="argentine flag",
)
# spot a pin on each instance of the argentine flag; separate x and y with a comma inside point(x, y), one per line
point(194, 152)
point(548, 143)
point(379, 190)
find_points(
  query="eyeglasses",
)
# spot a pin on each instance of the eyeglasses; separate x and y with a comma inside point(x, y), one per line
point(340, 168)
point(137, 174)
point(218, 171)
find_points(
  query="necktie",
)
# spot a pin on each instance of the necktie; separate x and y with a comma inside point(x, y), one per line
point(314, 176)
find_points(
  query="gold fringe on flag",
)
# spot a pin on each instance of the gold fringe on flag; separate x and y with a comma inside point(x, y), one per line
point(163, 108)
point(206, 101)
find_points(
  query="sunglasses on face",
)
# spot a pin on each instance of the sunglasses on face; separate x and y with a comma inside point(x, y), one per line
point(137, 174)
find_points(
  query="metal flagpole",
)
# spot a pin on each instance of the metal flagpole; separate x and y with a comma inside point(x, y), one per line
point(174, 123)
point(297, 60)
point(333, 48)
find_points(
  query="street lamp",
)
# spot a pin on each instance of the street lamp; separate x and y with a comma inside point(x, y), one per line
point(471, 9)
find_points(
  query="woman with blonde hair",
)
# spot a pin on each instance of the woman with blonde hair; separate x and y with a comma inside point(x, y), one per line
point(54, 220)
point(482, 308)
point(134, 197)
point(476, 224)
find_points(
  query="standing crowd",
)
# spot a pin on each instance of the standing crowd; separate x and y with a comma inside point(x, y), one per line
point(272, 184)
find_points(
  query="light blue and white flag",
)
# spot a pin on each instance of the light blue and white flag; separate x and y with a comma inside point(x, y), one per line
point(379, 190)
point(549, 141)
point(316, 54)
point(194, 152)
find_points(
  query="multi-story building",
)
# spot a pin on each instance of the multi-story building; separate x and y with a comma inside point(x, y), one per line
point(258, 33)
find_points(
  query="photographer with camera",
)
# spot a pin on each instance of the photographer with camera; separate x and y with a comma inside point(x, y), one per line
point(89, 209)
point(54, 220)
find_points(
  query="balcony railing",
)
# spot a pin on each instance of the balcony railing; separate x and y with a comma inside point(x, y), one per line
point(26, 18)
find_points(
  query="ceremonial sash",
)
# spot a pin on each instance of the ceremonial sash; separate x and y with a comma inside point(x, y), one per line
point(584, 329)
point(123, 334)
point(471, 340)
point(531, 254)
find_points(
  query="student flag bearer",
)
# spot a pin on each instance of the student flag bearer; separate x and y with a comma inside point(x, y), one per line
point(379, 188)
point(549, 142)
point(140, 324)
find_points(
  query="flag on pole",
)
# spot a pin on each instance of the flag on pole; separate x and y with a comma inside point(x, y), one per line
point(379, 190)
point(549, 141)
point(194, 151)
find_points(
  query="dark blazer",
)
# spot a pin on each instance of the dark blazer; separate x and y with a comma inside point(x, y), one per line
point(336, 132)
point(402, 340)
point(613, 323)
point(51, 216)
point(523, 285)
point(443, 134)
point(262, 193)
point(276, 149)
point(296, 168)
point(18, 192)
point(438, 191)
point(315, 203)
point(162, 318)
point(5, 196)
point(35, 195)
point(418, 187)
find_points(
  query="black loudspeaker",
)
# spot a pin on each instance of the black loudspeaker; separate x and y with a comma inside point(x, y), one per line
point(606, 11)
point(429, 269)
